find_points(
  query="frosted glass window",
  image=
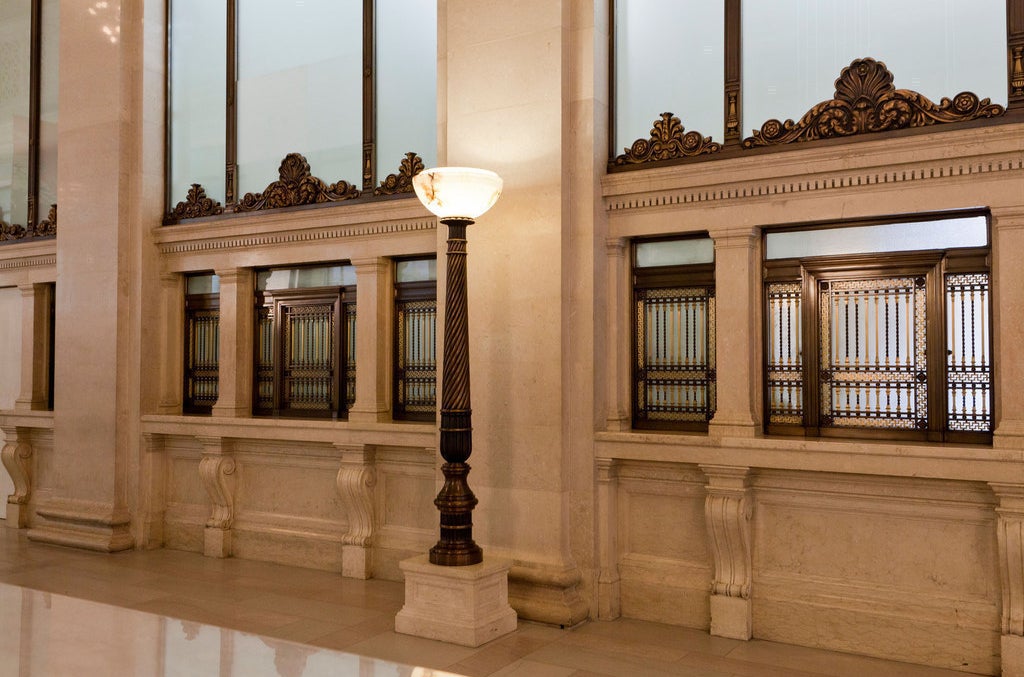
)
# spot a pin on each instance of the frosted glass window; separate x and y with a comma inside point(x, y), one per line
point(971, 231)
point(198, 35)
point(303, 278)
point(406, 70)
point(421, 270)
point(16, 47)
point(669, 57)
point(675, 252)
point(202, 284)
point(50, 16)
point(793, 50)
point(300, 84)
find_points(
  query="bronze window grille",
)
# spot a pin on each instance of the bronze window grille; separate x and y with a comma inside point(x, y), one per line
point(415, 379)
point(305, 352)
point(865, 101)
point(202, 352)
point(298, 184)
point(674, 381)
point(894, 345)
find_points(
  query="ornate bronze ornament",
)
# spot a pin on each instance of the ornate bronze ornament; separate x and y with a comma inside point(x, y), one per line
point(296, 186)
point(866, 101)
point(12, 231)
point(412, 164)
point(669, 140)
point(1017, 71)
point(196, 204)
point(48, 226)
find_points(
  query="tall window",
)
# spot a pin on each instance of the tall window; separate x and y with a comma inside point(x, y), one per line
point(415, 393)
point(28, 118)
point(674, 333)
point(746, 67)
point(202, 343)
point(348, 85)
point(880, 331)
point(305, 341)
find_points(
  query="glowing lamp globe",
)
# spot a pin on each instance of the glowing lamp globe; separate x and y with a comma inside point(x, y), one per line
point(458, 193)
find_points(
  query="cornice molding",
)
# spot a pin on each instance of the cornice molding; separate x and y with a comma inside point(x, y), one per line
point(28, 262)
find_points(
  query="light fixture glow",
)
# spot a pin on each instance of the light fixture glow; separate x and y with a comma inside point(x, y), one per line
point(457, 192)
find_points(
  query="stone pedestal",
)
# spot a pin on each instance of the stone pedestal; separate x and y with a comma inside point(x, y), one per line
point(465, 605)
point(731, 617)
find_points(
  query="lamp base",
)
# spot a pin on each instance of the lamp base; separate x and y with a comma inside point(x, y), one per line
point(465, 605)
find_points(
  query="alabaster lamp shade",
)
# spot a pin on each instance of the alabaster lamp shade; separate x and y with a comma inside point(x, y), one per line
point(461, 193)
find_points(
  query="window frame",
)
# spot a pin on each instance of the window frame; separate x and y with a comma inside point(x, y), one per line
point(411, 292)
point(196, 302)
point(647, 278)
point(732, 102)
point(934, 265)
point(196, 204)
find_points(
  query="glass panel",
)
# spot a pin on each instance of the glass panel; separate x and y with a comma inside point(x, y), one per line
point(48, 79)
point(202, 284)
point(675, 252)
point(421, 270)
point(16, 48)
point(416, 373)
point(874, 353)
point(785, 355)
point(669, 56)
point(968, 354)
point(304, 278)
point(203, 359)
point(307, 380)
point(675, 355)
point(406, 45)
point(969, 231)
point(198, 32)
point(300, 89)
point(793, 50)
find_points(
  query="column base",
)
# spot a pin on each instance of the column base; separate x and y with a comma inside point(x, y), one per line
point(1012, 655)
point(731, 617)
point(356, 561)
point(217, 542)
point(465, 605)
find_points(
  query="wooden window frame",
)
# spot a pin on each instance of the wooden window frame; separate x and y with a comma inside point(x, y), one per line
point(193, 303)
point(933, 266)
point(406, 292)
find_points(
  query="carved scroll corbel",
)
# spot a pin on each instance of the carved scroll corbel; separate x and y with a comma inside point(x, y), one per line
point(218, 476)
point(17, 459)
point(357, 480)
point(608, 580)
point(727, 511)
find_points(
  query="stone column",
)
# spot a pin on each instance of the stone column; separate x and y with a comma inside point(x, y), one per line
point(1008, 326)
point(17, 459)
point(727, 510)
point(217, 473)
point(237, 305)
point(738, 335)
point(357, 478)
point(608, 594)
point(374, 308)
point(35, 349)
point(1010, 539)
point(620, 347)
point(172, 349)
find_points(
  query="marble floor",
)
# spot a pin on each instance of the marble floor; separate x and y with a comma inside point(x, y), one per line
point(192, 602)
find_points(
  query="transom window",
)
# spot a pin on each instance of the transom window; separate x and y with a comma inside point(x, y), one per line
point(674, 333)
point(880, 330)
point(277, 104)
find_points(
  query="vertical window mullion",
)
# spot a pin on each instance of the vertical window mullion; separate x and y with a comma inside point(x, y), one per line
point(733, 60)
point(35, 89)
point(369, 98)
point(231, 109)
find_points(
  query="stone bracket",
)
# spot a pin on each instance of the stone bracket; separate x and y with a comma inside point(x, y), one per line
point(17, 459)
point(727, 512)
point(608, 580)
point(357, 479)
point(217, 473)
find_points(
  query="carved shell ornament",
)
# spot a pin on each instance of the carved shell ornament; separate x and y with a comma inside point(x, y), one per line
point(296, 186)
point(393, 184)
point(669, 139)
point(196, 204)
point(867, 101)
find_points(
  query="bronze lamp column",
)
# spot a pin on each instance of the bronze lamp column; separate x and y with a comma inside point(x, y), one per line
point(457, 195)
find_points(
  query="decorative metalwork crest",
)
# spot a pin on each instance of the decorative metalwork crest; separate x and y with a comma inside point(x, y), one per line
point(48, 226)
point(12, 231)
point(669, 140)
point(412, 164)
point(296, 186)
point(866, 101)
point(196, 204)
